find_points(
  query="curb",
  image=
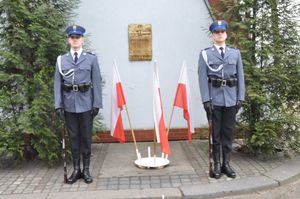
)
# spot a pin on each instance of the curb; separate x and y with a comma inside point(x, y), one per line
point(233, 187)
point(173, 193)
point(286, 173)
point(275, 178)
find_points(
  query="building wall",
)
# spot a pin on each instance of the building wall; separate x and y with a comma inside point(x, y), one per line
point(179, 32)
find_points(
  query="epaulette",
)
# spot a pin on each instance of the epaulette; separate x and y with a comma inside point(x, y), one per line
point(231, 47)
point(91, 53)
point(207, 48)
point(64, 53)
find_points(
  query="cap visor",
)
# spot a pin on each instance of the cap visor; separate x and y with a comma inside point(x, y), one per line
point(74, 34)
point(219, 28)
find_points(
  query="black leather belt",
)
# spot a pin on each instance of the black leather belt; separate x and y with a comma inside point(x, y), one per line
point(216, 82)
point(76, 87)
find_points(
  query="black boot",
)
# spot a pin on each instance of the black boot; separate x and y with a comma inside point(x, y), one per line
point(226, 169)
point(76, 173)
point(217, 165)
point(86, 173)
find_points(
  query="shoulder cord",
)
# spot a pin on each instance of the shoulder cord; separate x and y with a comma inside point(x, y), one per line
point(70, 73)
point(204, 55)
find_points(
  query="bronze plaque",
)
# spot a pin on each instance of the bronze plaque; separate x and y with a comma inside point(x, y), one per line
point(140, 42)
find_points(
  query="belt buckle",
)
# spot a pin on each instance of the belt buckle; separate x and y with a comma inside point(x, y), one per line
point(224, 82)
point(75, 87)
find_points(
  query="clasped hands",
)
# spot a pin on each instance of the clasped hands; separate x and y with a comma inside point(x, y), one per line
point(61, 113)
point(208, 107)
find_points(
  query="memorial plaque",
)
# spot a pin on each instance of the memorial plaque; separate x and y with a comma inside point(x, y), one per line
point(140, 42)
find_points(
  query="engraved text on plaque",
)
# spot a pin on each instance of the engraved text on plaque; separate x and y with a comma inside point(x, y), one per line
point(140, 42)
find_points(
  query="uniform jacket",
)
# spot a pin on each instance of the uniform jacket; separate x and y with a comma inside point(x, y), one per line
point(232, 67)
point(86, 70)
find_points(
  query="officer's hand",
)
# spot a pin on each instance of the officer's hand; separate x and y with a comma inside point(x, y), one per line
point(238, 105)
point(95, 111)
point(208, 108)
point(60, 112)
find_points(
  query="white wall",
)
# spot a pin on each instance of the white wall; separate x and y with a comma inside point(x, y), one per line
point(179, 32)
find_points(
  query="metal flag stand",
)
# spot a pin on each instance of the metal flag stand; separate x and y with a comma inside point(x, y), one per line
point(152, 162)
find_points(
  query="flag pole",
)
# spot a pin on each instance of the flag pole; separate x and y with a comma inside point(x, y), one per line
point(129, 121)
point(154, 134)
point(154, 141)
point(154, 147)
point(155, 64)
point(170, 120)
point(132, 132)
point(171, 117)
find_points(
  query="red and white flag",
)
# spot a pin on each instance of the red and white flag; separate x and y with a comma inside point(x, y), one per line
point(117, 103)
point(182, 99)
point(160, 128)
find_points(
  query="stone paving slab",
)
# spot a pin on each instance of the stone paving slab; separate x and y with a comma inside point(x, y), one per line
point(119, 162)
point(114, 172)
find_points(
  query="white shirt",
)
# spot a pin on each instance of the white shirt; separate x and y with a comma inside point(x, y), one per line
point(218, 47)
point(78, 53)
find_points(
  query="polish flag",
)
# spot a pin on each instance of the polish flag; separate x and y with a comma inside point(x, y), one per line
point(182, 99)
point(117, 103)
point(160, 128)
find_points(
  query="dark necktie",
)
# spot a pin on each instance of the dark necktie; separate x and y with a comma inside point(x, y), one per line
point(222, 52)
point(75, 57)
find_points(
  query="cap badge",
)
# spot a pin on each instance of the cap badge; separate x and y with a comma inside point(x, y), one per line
point(219, 23)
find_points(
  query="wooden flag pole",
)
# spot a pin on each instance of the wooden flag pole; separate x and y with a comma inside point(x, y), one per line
point(154, 142)
point(132, 133)
point(170, 120)
point(154, 150)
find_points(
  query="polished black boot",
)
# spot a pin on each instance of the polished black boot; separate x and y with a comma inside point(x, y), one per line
point(86, 173)
point(226, 169)
point(217, 165)
point(76, 173)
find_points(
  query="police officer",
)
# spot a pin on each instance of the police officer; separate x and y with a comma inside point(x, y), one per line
point(221, 81)
point(78, 98)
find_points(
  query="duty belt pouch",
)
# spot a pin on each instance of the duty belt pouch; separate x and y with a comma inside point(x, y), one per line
point(66, 88)
point(83, 88)
point(232, 82)
point(216, 83)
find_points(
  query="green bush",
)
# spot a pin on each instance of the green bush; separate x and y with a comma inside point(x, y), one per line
point(31, 37)
point(265, 138)
point(267, 34)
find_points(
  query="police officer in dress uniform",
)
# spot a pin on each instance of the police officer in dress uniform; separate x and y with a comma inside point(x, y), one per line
point(221, 81)
point(78, 98)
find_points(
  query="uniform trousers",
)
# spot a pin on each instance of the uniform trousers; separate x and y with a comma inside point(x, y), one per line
point(79, 127)
point(223, 120)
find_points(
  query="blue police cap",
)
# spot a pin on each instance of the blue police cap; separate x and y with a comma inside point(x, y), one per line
point(75, 30)
point(218, 25)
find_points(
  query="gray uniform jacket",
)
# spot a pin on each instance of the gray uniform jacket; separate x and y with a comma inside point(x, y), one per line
point(232, 68)
point(86, 70)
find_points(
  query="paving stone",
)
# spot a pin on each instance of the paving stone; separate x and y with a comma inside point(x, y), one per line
point(37, 177)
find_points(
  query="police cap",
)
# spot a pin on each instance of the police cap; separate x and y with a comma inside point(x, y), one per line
point(75, 30)
point(218, 25)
